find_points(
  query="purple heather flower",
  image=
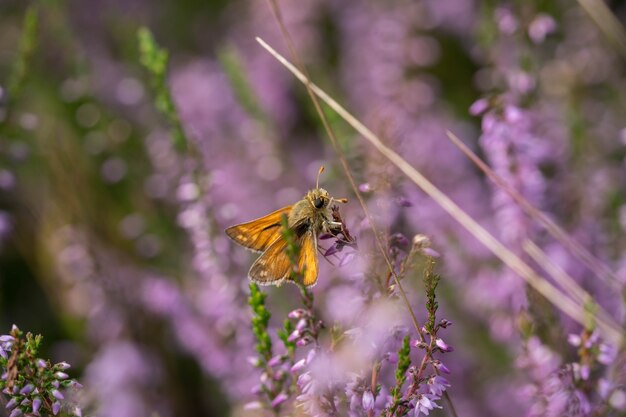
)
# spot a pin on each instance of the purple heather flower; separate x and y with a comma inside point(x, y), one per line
point(303, 341)
point(506, 21)
point(61, 375)
point(445, 323)
point(254, 361)
point(11, 404)
point(443, 346)
point(302, 324)
point(592, 340)
point(41, 363)
point(574, 339)
point(279, 399)
point(368, 400)
point(27, 389)
point(431, 252)
point(277, 359)
point(295, 335)
point(63, 365)
point(296, 314)
point(78, 412)
point(75, 384)
point(437, 385)
point(36, 405)
point(439, 365)
point(399, 239)
point(577, 370)
point(264, 378)
point(299, 365)
point(541, 26)
point(479, 106)
point(253, 405)
point(618, 400)
point(605, 387)
point(331, 251)
point(419, 344)
point(16, 413)
point(607, 354)
point(425, 405)
point(56, 407)
point(365, 187)
point(57, 394)
point(6, 341)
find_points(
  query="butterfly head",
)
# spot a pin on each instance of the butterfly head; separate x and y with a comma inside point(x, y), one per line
point(318, 198)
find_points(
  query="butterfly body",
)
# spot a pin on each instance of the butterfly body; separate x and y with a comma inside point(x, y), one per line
point(307, 219)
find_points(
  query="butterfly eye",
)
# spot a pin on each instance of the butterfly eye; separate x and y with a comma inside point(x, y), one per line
point(318, 203)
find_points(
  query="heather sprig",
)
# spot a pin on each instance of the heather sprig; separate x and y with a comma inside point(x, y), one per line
point(155, 60)
point(426, 385)
point(431, 280)
point(31, 385)
point(260, 320)
point(276, 380)
point(308, 326)
point(404, 361)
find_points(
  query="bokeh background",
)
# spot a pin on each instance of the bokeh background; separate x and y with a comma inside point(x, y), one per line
point(111, 239)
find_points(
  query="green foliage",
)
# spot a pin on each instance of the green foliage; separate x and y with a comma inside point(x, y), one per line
point(404, 361)
point(155, 60)
point(27, 46)
point(32, 384)
point(284, 333)
point(431, 280)
point(233, 68)
point(260, 321)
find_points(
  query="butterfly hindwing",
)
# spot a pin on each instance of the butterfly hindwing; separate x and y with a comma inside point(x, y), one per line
point(307, 261)
point(261, 233)
point(273, 266)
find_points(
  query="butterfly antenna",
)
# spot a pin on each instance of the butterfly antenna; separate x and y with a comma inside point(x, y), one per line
point(317, 183)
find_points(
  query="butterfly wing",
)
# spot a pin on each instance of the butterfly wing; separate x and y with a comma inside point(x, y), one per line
point(274, 266)
point(307, 261)
point(259, 234)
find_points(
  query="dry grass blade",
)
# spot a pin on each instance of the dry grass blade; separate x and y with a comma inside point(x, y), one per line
point(568, 283)
point(553, 294)
point(344, 163)
point(347, 171)
point(606, 22)
point(593, 263)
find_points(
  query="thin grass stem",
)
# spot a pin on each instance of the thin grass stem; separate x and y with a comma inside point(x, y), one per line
point(545, 288)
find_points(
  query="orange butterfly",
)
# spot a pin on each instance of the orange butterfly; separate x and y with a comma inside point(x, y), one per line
point(306, 219)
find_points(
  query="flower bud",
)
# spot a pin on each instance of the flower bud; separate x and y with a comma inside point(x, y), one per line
point(57, 394)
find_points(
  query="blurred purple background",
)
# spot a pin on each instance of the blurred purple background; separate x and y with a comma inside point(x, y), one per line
point(112, 243)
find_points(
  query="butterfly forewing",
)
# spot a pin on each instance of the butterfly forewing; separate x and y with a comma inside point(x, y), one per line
point(259, 234)
point(273, 266)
